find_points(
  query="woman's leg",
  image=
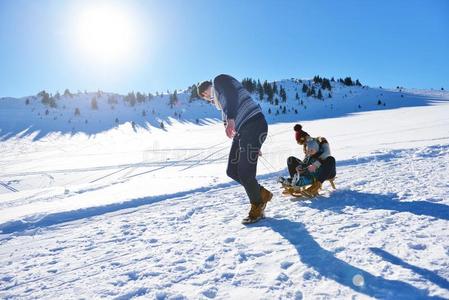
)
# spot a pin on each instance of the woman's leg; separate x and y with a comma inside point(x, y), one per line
point(251, 138)
point(327, 170)
point(292, 163)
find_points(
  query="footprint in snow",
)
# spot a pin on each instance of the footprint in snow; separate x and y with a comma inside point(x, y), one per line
point(282, 277)
point(210, 292)
point(229, 240)
point(132, 275)
point(286, 264)
point(417, 246)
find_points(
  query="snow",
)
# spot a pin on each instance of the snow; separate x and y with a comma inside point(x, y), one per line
point(111, 210)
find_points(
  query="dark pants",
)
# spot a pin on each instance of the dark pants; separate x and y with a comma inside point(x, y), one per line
point(326, 171)
point(292, 163)
point(242, 162)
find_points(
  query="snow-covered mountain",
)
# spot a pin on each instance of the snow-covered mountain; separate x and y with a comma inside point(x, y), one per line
point(129, 210)
point(74, 113)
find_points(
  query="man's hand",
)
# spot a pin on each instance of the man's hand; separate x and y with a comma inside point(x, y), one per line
point(311, 168)
point(230, 128)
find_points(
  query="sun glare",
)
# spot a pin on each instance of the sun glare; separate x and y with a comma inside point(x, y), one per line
point(105, 34)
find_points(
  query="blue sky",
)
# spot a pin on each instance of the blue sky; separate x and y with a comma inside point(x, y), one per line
point(179, 43)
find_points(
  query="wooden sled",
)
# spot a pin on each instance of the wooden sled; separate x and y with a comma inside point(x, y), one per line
point(304, 191)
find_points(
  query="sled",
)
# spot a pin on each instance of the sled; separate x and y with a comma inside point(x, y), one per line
point(303, 191)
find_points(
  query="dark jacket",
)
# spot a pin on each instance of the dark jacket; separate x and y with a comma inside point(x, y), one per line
point(235, 100)
point(323, 152)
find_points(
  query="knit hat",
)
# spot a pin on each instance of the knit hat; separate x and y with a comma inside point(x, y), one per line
point(300, 134)
point(313, 145)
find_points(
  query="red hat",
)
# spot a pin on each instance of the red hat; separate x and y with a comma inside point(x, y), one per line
point(300, 134)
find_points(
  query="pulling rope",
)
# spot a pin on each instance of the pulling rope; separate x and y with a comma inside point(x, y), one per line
point(265, 162)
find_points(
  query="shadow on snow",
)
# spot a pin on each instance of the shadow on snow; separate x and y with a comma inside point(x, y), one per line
point(326, 264)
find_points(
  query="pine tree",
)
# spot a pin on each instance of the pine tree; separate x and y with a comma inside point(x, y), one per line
point(140, 97)
point(173, 99)
point(77, 111)
point(270, 94)
point(348, 81)
point(283, 94)
point(193, 93)
point(275, 87)
point(93, 103)
point(67, 93)
point(266, 87)
point(130, 98)
point(45, 96)
point(325, 84)
point(249, 84)
point(297, 96)
point(260, 90)
point(320, 95)
point(305, 88)
point(47, 99)
point(112, 100)
point(311, 92)
point(317, 79)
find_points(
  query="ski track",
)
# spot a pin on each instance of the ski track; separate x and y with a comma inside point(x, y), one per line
point(197, 247)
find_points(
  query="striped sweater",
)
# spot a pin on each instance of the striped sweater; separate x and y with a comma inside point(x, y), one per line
point(234, 100)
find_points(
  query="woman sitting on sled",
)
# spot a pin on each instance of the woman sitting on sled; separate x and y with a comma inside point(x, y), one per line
point(317, 167)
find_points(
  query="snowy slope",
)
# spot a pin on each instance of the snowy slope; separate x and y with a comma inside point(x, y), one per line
point(122, 212)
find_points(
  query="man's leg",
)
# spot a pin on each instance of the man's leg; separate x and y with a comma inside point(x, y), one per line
point(327, 170)
point(292, 163)
point(233, 160)
point(251, 137)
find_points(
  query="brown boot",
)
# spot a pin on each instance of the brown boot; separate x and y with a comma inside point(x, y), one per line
point(254, 215)
point(265, 196)
point(313, 190)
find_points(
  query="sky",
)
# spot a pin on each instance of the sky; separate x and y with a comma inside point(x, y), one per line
point(160, 45)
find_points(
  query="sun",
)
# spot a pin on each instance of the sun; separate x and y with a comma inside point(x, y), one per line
point(105, 34)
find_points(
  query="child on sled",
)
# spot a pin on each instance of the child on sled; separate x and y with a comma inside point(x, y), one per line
point(303, 176)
